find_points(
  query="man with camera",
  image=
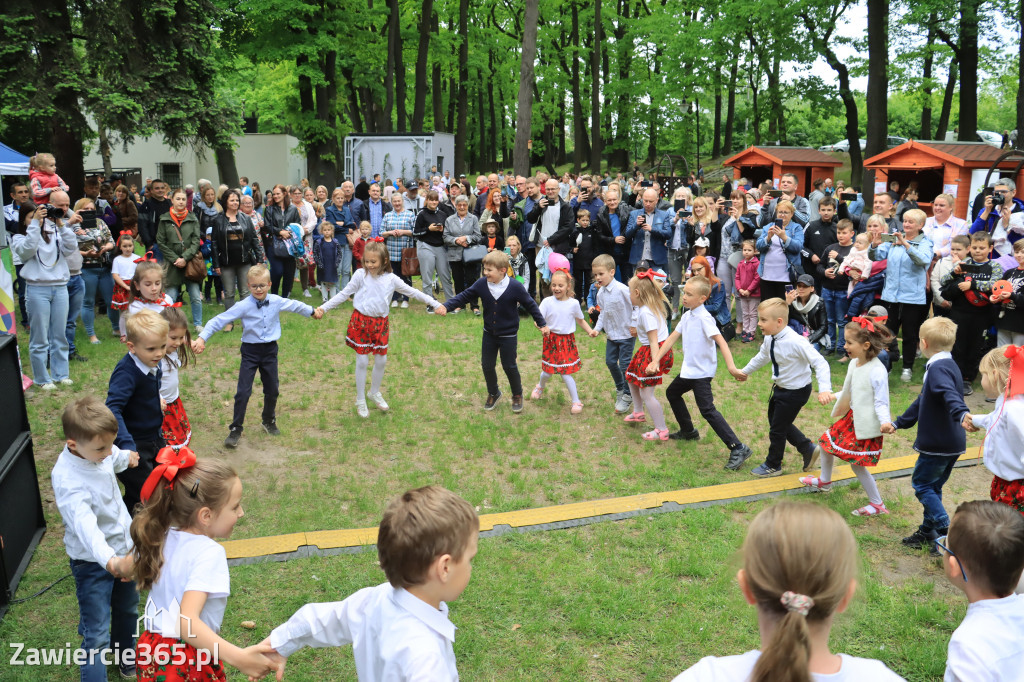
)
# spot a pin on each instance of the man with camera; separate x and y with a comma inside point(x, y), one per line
point(649, 229)
point(787, 192)
point(588, 198)
point(881, 204)
point(1001, 217)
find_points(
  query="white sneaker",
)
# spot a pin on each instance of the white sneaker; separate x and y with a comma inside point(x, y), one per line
point(405, 304)
point(361, 409)
point(47, 387)
point(66, 382)
point(306, 294)
point(394, 304)
point(378, 400)
point(905, 376)
point(199, 329)
point(621, 406)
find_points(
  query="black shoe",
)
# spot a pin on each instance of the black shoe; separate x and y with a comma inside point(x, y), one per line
point(737, 457)
point(517, 403)
point(271, 428)
point(685, 435)
point(232, 440)
point(920, 539)
point(78, 357)
point(810, 458)
point(492, 400)
point(128, 672)
point(968, 389)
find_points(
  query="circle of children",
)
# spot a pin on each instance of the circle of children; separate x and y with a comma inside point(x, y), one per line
point(428, 537)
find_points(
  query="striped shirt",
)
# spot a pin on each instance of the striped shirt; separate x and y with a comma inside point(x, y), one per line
point(404, 220)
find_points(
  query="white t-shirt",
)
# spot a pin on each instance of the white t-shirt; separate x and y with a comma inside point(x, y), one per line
point(192, 563)
point(169, 377)
point(647, 321)
point(738, 669)
point(124, 267)
point(989, 644)
point(696, 328)
point(561, 316)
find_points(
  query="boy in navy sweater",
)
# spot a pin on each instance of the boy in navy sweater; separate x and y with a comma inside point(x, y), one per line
point(938, 411)
point(501, 297)
point(134, 397)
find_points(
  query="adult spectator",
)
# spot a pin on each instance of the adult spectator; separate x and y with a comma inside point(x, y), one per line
point(481, 185)
point(233, 244)
point(738, 224)
point(703, 221)
point(663, 203)
point(614, 218)
point(554, 221)
point(816, 195)
point(828, 188)
point(907, 202)
point(104, 212)
point(462, 231)
point(428, 231)
point(446, 179)
point(376, 209)
point(524, 230)
point(649, 230)
point(44, 249)
point(308, 221)
point(206, 209)
point(942, 226)
point(277, 216)
point(243, 186)
point(881, 205)
point(495, 206)
point(788, 186)
point(396, 228)
point(903, 293)
point(564, 186)
point(339, 214)
point(249, 209)
point(97, 247)
point(126, 211)
point(178, 234)
point(677, 244)
point(76, 285)
point(726, 186)
point(156, 204)
point(995, 218)
point(362, 190)
point(355, 205)
point(321, 195)
point(20, 196)
point(589, 198)
point(780, 247)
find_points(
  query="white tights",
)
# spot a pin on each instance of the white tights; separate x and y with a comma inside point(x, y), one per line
point(570, 384)
point(362, 364)
point(644, 401)
point(863, 475)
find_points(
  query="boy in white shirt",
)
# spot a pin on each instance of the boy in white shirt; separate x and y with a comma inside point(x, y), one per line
point(96, 534)
point(700, 334)
point(983, 556)
point(399, 629)
point(615, 320)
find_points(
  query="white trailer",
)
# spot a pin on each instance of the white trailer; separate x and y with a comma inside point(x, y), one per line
point(398, 155)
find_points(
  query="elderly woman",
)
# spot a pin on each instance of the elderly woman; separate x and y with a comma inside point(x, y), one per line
point(96, 245)
point(903, 295)
point(462, 231)
point(396, 229)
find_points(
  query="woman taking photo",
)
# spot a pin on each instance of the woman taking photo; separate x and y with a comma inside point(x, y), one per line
point(779, 245)
point(177, 235)
point(278, 214)
point(234, 244)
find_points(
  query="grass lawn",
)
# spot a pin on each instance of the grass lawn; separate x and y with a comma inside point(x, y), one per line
point(636, 599)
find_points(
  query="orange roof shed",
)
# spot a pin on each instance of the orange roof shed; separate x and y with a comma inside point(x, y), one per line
point(957, 168)
point(758, 164)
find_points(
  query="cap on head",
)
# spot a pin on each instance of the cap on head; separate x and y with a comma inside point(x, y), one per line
point(805, 280)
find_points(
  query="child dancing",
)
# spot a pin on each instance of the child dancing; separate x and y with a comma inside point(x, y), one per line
point(652, 330)
point(562, 313)
point(176, 430)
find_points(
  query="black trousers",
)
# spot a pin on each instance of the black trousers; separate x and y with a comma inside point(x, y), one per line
point(531, 260)
point(705, 403)
point(970, 340)
point(463, 276)
point(582, 276)
point(783, 407)
point(262, 357)
point(282, 275)
point(490, 347)
point(773, 289)
point(134, 478)
point(909, 316)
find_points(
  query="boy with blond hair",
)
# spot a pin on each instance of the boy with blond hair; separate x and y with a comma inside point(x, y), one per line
point(615, 319)
point(399, 629)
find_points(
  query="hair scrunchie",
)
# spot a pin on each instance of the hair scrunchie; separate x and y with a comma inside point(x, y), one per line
point(799, 603)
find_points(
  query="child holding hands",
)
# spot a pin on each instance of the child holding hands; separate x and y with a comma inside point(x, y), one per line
point(651, 328)
point(613, 300)
point(562, 313)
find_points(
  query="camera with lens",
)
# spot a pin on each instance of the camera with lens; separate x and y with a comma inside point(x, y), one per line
point(52, 212)
point(998, 197)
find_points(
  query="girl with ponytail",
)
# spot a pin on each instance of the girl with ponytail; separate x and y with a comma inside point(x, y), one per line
point(799, 570)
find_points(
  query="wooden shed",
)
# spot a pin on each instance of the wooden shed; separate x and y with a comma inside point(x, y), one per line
point(957, 168)
point(758, 164)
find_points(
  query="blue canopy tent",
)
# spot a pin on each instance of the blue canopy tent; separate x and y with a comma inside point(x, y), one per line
point(12, 162)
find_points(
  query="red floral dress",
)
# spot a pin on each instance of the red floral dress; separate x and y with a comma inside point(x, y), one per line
point(841, 441)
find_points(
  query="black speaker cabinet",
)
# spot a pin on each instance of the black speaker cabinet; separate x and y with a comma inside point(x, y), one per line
point(21, 510)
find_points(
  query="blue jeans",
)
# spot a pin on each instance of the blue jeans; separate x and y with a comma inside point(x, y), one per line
point(76, 295)
point(930, 473)
point(48, 318)
point(836, 304)
point(195, 297)
point(617, 355)
point(345, 269)
point(97, 279)
point(107, 613)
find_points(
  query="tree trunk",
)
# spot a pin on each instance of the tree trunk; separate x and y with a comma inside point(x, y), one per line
point(420, 102)
point(754, 77)
point(462, 104)
point(482, 153)
point(595, 99)
point(947, 100)
point(323, 148)
point(968, 122)
point(655, 115)
point(104, 141)
point(493, 132)
point(400, 115)
point(436, 84)
point(576, 92)
point(226, 168)
point(716, 139)
point(355, 117)
point(619, 157)
point(926, 77)
point(730, 108)
point(878, 88)
point(773, 96)
point(560, 156)
point(389, 68)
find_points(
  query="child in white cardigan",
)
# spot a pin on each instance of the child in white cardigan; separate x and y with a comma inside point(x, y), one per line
point(863, 412)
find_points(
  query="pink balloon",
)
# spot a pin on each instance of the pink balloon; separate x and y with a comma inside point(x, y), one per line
point(557, 261)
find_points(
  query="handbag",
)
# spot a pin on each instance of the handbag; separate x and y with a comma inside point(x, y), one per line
point(728, 330)
point(280, 248)
point(410, 262)
point(474, 254)
point(195, 268)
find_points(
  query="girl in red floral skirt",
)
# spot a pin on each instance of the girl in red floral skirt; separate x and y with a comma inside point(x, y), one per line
point(646, 294)
point(863, 410)
point(1002, 378)
point(371, 289)
point(186, 504)
point(175, 430)
point(560, 355)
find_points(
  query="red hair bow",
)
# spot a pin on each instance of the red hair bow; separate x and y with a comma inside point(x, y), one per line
point(1013, 352)
point(563, 269)
point(869, 322)
point(376, 239)
point(176, 304)
point(149, 257)
point(646, 274)
point(168, 464)
point(125, 232)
